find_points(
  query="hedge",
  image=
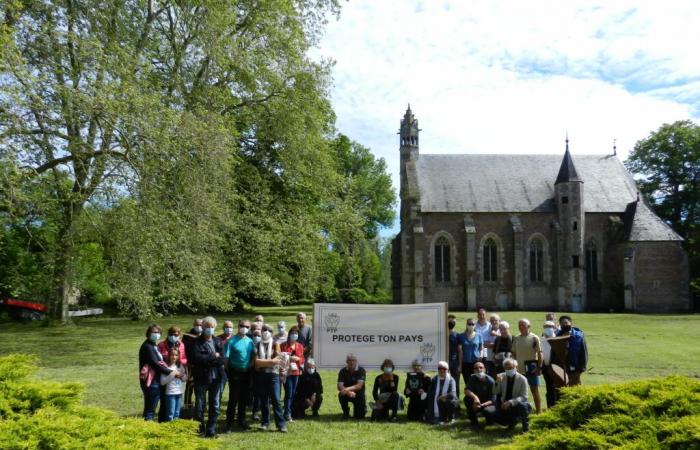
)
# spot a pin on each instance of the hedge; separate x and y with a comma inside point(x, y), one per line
point(661, 413)
point(38, 414)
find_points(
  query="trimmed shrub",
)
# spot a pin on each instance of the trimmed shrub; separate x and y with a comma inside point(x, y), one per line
point(38, 414)
point(656, 413)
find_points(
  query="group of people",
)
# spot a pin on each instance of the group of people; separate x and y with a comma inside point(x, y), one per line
point(499, 370)
point(252, 360)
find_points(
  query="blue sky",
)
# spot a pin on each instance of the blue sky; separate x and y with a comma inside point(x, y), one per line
point(512, 76)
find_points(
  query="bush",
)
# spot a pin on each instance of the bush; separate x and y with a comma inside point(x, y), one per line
point(40, 414)
point(657, 413)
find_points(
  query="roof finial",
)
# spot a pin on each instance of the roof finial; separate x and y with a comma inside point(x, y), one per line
point(567, 140)
point(615, 147)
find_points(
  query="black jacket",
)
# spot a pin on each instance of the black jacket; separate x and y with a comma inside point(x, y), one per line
point(207, 367)
point(309, 384)
point(148, 354)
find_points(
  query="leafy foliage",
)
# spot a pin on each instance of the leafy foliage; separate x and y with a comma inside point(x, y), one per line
point(40, 414)
point(656, 413)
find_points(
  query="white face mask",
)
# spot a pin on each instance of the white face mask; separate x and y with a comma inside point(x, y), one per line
point(510, 372)
point(243, 330)
point(481, 375)
point(549, 332)
point(266, 335)
point(311, 370)
point(280, 329)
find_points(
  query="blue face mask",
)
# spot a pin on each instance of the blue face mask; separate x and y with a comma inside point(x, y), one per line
point(228, 330)
point(172, 339)
point(154, 337)
point(388, 370)
point(209, 331)
point(257, 339)
point(293, 337)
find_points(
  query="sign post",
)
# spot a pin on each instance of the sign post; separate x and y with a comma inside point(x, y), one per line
point(373, 333)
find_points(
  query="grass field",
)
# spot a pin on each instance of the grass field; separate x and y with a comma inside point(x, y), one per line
point(102, 353)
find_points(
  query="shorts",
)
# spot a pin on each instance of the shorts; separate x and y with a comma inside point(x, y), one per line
point(530, 370)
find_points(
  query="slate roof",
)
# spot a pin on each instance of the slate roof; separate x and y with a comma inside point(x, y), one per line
point(567, 171)
point(517, 183)
point(641, 224)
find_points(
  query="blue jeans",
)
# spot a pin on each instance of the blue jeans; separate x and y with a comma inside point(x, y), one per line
point(290, 388)
point(172, 406)
point(151, 397)
point(201, 391)
point(269, 383)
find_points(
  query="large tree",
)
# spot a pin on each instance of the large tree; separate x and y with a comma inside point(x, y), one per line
point(667, 169)
point(158, 101)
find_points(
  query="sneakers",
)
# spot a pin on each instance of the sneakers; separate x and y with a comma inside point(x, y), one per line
point(283, 429)
point(264, 427)
point(256, 416)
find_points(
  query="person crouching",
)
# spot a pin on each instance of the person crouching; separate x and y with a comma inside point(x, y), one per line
point(444, 398)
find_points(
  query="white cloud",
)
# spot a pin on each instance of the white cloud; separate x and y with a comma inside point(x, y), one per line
point(513, 76)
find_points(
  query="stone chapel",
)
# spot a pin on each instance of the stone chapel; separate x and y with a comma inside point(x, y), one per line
point(536, 232)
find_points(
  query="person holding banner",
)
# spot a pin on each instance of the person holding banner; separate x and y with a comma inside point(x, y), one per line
point(351, 388)
point(385, 392)
point(417, 387)
point(444, 397)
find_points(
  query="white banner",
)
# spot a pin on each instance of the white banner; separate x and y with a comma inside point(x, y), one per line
point(373, 333)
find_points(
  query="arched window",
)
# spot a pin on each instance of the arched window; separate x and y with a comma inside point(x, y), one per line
point(490, 260)
point(591, 263)
point(536, 261)
point(442, 259)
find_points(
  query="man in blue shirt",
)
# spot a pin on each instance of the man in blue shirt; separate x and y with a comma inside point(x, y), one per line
point(239, 360)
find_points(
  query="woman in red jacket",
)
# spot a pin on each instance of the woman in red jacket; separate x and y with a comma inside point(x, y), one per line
point(296, 361)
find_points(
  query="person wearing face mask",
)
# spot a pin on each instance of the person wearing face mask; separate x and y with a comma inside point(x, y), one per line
point(550, 370)
point(165, 347)
point(309, 392)
point(455, 350)
point(351, 388)
point(267, 363)
point(502, 346)
point(281, 336)
point(188, 341)
point(576, 355)
point(151, 367)
point(295, 350)
point(511, 397)
point(443, 401)
point(225, 336)
point(208, 359)
point(479, 396)
point(489, 341)
point(417, 388)
point(385, 392)
point(238, 352)
point(472, 347)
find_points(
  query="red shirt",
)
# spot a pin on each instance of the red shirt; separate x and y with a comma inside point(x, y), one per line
point(164, 349)
point(295, 349)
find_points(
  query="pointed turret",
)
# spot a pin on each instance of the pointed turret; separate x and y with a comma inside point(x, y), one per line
point(567, 171)
point(409, 129)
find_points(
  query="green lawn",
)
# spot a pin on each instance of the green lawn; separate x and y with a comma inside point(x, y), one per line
point(102, 353)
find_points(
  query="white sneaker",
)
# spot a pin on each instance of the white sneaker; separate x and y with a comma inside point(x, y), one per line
point(264, 427)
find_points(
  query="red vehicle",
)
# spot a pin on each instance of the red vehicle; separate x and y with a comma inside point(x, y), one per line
point(21, 309)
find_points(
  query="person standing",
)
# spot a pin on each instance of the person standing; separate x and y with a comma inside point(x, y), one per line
point(309, 392)
point(502, 346)
point(511, 397)
point(225, 336)
point(479, 396)
point(188, 341)
point(165, 347)
point(455, 348)
point(576, 351)
point(305, 334)
point(472, 346)
point(151, 367)
point(281, 336)
point(495, 321)
point(238, 352)
point(482, 327)
point(208, 371)
point(295, 350)
point(351, 388)
point(527, 350)
point(267, 364)
point(172, 383)
point(552, 395)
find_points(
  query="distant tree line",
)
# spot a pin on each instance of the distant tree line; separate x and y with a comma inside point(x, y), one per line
point(170, 155)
